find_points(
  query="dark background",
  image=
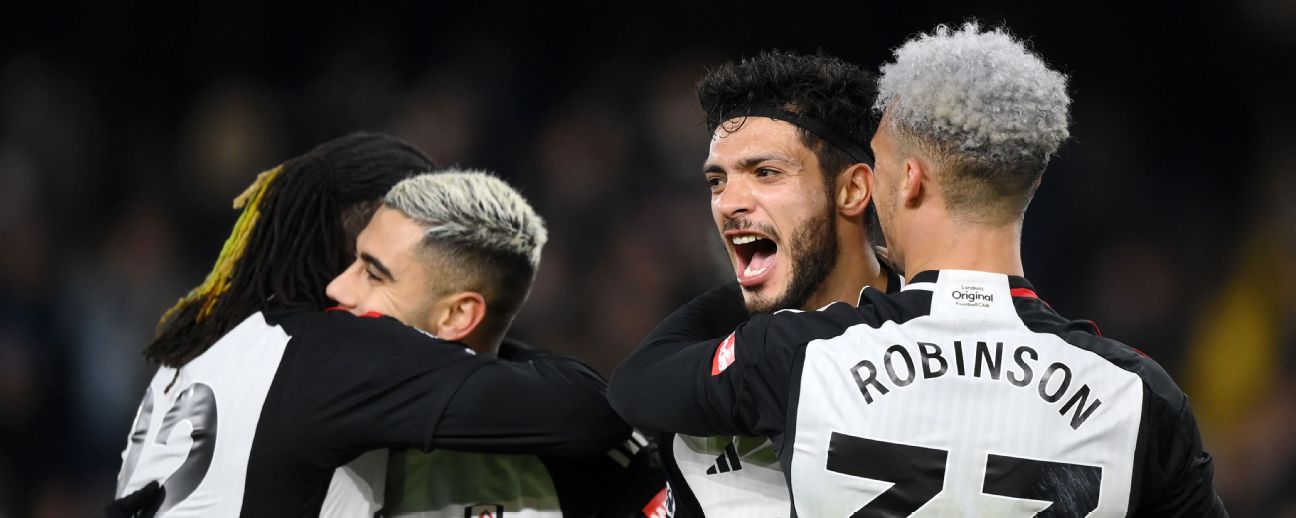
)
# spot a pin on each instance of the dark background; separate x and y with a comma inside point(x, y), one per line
point(125, 131)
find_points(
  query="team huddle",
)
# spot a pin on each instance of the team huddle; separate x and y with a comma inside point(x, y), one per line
point(349, 353)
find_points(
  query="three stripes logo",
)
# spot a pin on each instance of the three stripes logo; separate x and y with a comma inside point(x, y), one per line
point(727, 461)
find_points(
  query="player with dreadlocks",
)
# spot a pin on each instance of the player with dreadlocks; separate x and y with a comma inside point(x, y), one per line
point(300, 220)
point(261, 396)
point(790, 177)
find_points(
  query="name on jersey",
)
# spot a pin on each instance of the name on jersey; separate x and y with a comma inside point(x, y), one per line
point(900, 367)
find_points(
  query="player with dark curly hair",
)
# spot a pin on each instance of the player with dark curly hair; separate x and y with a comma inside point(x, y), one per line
point(791, 180)
point(964, 393)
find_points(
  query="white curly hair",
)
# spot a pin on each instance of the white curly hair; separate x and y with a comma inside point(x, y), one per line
point(473, 209)
point(979, 97)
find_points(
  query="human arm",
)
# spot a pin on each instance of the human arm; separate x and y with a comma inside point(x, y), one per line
point(355, 384)
point(667, 383)
point(1178, 474)
point(537, 404)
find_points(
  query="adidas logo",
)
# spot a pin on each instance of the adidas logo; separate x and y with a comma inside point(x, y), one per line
point(727, 461)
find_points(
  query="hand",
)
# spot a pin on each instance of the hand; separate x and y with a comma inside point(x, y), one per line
point(140, 504)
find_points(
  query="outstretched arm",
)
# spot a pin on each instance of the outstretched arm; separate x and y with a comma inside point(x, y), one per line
point(667, 384)
point(358, 384)
point(547, 404)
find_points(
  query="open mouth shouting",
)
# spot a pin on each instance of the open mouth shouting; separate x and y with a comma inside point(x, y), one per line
point(755, 256)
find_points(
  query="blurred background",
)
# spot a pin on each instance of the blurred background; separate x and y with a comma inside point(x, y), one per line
point(125, 132)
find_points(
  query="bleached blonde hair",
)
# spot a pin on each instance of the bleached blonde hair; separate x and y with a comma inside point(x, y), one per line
point(982, 104)
point(479, 228)
point(471, 208)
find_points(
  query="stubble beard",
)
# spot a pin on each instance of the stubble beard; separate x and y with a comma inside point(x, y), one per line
point(812, 252)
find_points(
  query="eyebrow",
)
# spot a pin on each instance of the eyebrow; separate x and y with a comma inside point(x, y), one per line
point(378, 265)
point(748, 162)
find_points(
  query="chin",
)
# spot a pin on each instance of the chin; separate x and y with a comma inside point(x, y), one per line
point(762, 300)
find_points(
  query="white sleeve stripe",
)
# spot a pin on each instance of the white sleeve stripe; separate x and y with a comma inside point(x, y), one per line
point(619, 457)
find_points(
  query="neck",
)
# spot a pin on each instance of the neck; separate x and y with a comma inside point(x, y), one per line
point(856, 266)
point(483, 345)
point(945, 244)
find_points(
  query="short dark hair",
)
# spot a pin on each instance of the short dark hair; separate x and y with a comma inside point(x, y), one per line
point(827, 89)
point(296, 234)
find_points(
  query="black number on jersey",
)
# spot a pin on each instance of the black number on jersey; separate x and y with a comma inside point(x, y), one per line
point(197, 405)
point(919, 474)
point(916, 471)
point(1073, 488)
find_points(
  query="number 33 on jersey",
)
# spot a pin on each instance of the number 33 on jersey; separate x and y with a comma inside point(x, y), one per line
point(961, 395)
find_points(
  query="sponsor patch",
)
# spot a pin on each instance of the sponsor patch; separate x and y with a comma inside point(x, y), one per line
point(724, 356)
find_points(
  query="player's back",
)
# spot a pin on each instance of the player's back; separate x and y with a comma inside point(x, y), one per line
point(967, 396)
point(195, 427)
point(256, 424)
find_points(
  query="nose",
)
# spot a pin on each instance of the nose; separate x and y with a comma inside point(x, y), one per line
point(338, 290)
point(736, 198)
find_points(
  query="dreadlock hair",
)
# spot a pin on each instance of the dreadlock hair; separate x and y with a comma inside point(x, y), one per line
point(824, 88)
point(296, 233)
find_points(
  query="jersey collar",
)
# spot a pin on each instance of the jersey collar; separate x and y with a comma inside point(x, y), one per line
point(927, 281)
point(895, 283)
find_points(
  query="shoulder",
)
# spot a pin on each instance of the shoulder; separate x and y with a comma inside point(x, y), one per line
point(875, 309)
point(898, 306)
point(334, 329)
point(342, 349)
point(512, 350)
point(1085, 335)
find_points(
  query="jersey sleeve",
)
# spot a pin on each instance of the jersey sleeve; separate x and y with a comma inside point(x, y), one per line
point(356, 384)
point(547, 404)
point(1178, 477)
point(703, 371)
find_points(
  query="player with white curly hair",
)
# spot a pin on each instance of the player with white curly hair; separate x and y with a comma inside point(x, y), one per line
point(980, 116)
point(964, 393)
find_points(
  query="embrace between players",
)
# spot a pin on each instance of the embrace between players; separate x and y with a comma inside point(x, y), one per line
point(825, 382)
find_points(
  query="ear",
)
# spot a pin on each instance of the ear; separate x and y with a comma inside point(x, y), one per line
point(854, 190)
point(911, 191)
point(457, 315)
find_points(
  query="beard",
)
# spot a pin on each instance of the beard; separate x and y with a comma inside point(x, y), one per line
point(812, 251)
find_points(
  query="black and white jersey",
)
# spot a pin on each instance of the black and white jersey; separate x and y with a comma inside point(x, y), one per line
point(621, 482)
point(257, 424)
point(729, 475)
point(962, 394)
point(732, 475)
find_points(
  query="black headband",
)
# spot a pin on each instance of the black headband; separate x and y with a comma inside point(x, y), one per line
point(860, 153)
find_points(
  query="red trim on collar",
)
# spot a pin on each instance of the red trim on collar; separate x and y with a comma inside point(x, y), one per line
point(1029, 294)
point(371, 314)
point(1023, 292)
point(1099, 331)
